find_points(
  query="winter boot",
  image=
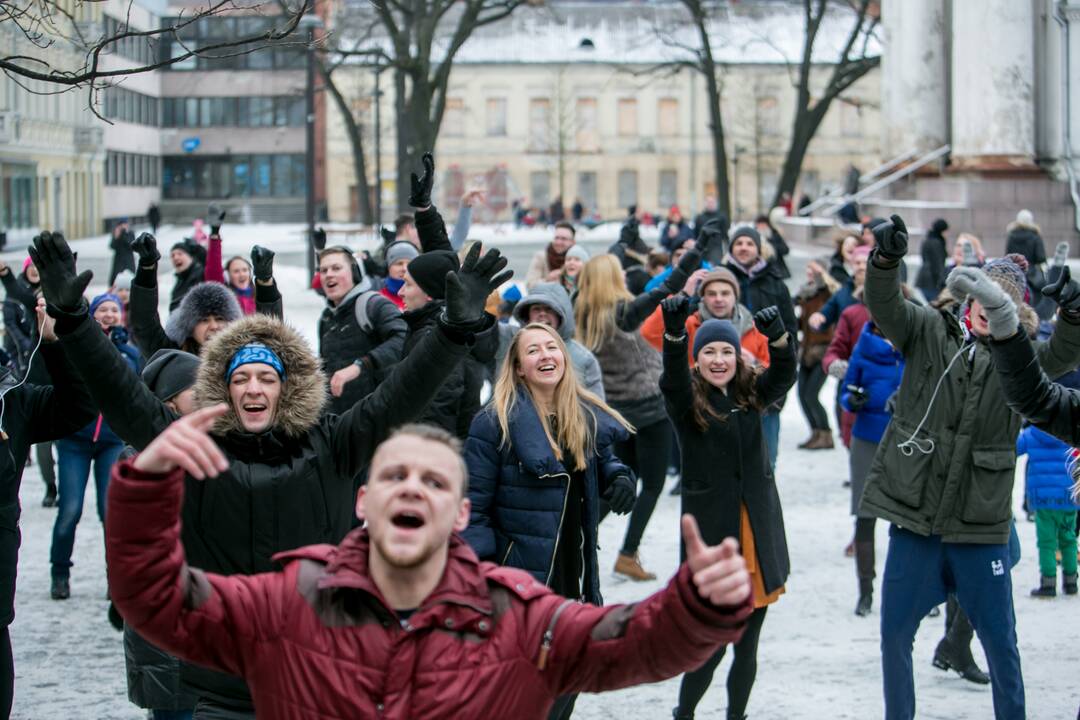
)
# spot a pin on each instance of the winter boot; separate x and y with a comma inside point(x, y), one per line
point(864, 568)
point(680, 715)
point(630, 566)
point(954, 650)
point(50, 496)
point(806, 443)
point(61, 588)
point(1047, 587)
point(866, 598)
point(1068, 584)
point(822, 440)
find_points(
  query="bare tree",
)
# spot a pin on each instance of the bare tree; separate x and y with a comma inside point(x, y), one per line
point(854, 62)
point(44, 27)
point(418, 41)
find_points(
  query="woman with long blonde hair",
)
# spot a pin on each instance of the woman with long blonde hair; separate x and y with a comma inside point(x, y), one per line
point(609, 319)
point(540, 458)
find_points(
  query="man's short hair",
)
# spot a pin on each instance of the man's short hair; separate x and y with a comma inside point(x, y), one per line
point(437, 435)
point(404, 220)
point(566, 226)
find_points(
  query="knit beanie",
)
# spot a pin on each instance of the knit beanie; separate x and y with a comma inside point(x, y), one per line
point(170, 372)
point(716, 330)
point(400, 250)
point(123, 280)
point(576, 251)
point(104, 298)
point(429, 271)
point(747, 231)
point(720, 274)
point(1025, 217)
point(1010, 272)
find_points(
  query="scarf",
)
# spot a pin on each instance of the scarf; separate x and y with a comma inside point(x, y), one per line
point(393, 286)
point(555, 261)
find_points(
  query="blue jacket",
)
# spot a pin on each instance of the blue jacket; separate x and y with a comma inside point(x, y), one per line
point(837, 303)
point(518, 492)
point(666, 272)
point(1049, 485)
point(876, 366)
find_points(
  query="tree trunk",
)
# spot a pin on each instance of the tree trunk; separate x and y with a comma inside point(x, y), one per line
point(716, 128)
point(404, 141)
point(806, 126)
point(356, 140)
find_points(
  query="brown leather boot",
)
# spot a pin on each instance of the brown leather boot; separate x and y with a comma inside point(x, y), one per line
point(630, 566)
point(822, 440)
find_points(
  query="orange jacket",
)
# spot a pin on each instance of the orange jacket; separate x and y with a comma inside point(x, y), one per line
point(653, 332)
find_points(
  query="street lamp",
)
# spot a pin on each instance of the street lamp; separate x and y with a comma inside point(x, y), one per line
point(308, 24)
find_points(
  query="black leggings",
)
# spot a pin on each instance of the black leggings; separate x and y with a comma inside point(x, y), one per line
point(647, 453)
point(740, 679)
point(7, 674)
point(811, 380)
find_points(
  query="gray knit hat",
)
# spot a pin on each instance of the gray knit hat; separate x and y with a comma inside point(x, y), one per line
point(170, 372)
point(577, 251)
point(123, 280)
point(1010, 272)
point(400, 250)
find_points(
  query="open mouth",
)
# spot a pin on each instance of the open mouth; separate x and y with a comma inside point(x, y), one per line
point(254, 408)
point(407, 520)
point(547, 368)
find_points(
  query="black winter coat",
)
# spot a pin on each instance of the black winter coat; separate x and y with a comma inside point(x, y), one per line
point(185, 281)
point(764, 289)
point(33, 414)
point(727, 465)
point(1053, 408)
point(932, 273)
point(280, 492)
point(145, 322)
point(123, 255)
point(342, 342)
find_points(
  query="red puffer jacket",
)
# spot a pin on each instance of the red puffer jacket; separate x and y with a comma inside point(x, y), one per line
point(317, 641)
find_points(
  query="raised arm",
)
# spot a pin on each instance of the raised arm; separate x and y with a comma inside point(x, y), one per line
point(675, 380)
point(58, 410)
point(267, 298)
point(461, 227)
point(214, 271)
point(900, 321)
point(774, 383)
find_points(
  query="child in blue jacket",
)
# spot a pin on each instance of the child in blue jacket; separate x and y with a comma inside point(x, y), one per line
point(873, 375)
point(1049, 496)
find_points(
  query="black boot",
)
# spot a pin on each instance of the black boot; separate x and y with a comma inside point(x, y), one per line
point(1068, 584)
point(954, 650)
point(864, 568)
point(1047, 587)
point(679, 715)
point(61, 588)
point(50, 496)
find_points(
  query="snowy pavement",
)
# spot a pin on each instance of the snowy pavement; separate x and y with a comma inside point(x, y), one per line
point(816, 659)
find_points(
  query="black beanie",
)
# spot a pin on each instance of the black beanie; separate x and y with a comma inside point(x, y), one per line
point(429, 271)
point(170, 372)
point(746, 231)
point(715, 330)
point(939, 226)
point(184, 246)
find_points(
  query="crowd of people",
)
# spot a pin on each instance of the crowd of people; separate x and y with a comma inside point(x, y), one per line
point(287, 528)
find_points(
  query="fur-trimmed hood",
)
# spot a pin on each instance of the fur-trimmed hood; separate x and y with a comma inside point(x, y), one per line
point(303, 394)
point(201, 301)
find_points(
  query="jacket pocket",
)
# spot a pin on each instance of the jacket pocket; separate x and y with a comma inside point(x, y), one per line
point(989, 490)
point(905, 468)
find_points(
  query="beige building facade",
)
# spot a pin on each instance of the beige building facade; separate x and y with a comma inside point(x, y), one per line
point(539, 123)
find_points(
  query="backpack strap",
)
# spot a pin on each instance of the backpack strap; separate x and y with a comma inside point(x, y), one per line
point(361, 308)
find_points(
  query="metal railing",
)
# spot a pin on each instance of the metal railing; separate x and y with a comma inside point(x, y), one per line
point(892, 177)
point(871, 176)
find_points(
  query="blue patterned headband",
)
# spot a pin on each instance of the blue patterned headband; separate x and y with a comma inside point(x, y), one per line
point(255, 353)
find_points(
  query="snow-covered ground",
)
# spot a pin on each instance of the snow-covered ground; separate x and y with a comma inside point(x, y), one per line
point(816, 659)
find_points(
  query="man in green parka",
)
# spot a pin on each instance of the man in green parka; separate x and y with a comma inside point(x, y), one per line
point(943, 473)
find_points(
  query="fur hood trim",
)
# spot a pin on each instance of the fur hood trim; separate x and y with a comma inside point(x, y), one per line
point(303, 394)
point(200, 302)
point(1017, 225)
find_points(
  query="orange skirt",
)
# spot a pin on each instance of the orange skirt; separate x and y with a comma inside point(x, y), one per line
point(749, 552)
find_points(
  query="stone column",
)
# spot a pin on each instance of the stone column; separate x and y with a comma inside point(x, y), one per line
point(993, 84)
point(914, 99)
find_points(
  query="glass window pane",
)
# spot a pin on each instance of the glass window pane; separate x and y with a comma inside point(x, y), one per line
point(260, 179)
point(627, 188)
point(241, 176)
point(297, 111)
point(587, 190)
point(496, 117)
point(669, 188)
point(627, 117)
point(262, 112)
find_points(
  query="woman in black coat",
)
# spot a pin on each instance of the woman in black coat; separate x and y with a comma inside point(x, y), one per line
point(728, 484)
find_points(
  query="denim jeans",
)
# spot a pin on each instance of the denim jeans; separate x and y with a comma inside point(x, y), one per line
point(770, 427)
point(74, 458)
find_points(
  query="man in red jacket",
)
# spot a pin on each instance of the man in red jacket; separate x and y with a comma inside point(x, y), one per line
point(400, 620)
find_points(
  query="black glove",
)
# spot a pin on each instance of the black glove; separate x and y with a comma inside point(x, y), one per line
point(621, 494)
point(62, 288)
point(1066, 293)
point(262, 260)
point(145, 246)
point(680, 274)
point(420, 197)
point(711, 232)
point(388, 235)
point(769, 324)
point(467, 289)
point(676, 309)
point(215, 215)
point(857, 398)
point(891, 239)
point(318, 239)
point(127, 237)
point(630, 232)
point(372, 268)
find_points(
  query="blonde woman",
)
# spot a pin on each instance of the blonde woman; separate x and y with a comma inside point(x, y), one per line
point(608, 322)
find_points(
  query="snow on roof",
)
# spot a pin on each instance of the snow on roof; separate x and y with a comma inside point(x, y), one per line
point(635, 33)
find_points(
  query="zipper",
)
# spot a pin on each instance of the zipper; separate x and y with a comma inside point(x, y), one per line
point(506, 556)
point(549, 636)
point(558, 533)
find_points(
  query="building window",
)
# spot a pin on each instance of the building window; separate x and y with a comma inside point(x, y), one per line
point(540, 125)
point(18, 196)
point(627, 188)
point(587, 190)
point(539, 189)
point(626, 117)
point(209, 177)
point(131, 169)
point(669, 189)
point(214, 30)
point(667, 119)
point(496, 117)
point(587, 139)
point(129, 106)
point(453, 124)
point(768, 119)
